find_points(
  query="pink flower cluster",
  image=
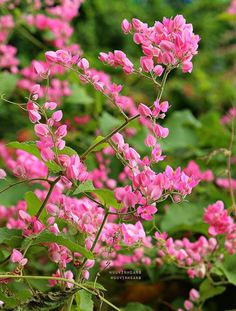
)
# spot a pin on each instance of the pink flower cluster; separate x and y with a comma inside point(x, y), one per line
point(193, 169)
point(185, 253)
point(118, 58)
point(8, 58)
point(170, 43)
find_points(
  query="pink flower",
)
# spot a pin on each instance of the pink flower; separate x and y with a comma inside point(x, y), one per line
point(17, 257)
point(50, 105)
point(147, 63)
point(126, 26)
point(144, 110)
point(158, 70)
point(34, 115)
point(2, 174)
point(194, 294)
point(51, 56)
point(150, 141)
point(188, 305)
point(132, 233)
point(57, 116)
point(41, 130)
point(146, 212)
point(83, 64)
point(38, 68)
point(160, 131)
point(187, 66)
point(217, 217)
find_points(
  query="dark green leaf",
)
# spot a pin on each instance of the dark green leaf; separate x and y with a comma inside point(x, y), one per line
point(184, 216)
point(48, 237)
point(10, 237)
point(229, 268)
point(207, 290)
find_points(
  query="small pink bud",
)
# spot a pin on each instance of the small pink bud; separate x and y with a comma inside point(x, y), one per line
point(38, 68)
point(144, 110)
point(50, 105)
point(150, 141)
point(103, 57)
point(51, 56)
point(126, 26)
point(83, 64)
point(35, 89)
point(16, 256)
point(147, 63)
point(158, 70)
point(57, 115)
point(2, 174)
point(187, 67)
point(194, 294)
point(188, 305)
point(85, 274)
point(61, 131)
point(41, 130)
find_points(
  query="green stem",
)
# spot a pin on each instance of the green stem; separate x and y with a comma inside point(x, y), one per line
point(52, 185)
point(23, 181)
point(126, 122)
point(118, 129)
point(37, 277)
point(31, 38)
point(85, 259)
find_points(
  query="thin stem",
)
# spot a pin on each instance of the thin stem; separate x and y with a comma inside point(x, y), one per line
point(123, 125)
point(23, 181)
point(52, 185)
point(38, 277)
point(85, 259)
point(31, 38)
point(118, 129)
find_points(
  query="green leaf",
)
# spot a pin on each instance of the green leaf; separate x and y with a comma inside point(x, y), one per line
point(79, 96)
point(48, 237)
point(53, 167)
point(212, 133)
point(33, 205)
point(107, 122)
point(107, 197)
point(29, 147)
point(229, 268)
point(11, 237)
point(182, 125)
point(101, 146)
point(137, 307)
point(207, 290)
point(68, 150)
point(84, 301)
point(87, 186)
point(183, 217)
point(95, 285)
point(8, 83)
